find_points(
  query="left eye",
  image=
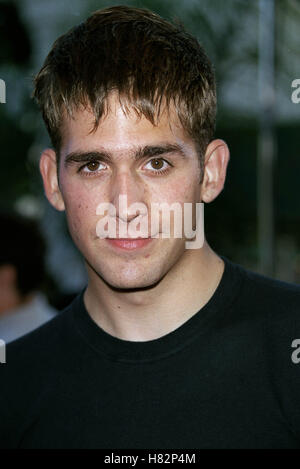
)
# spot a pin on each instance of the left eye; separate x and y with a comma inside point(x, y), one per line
point(158, 164)
point(91, 167)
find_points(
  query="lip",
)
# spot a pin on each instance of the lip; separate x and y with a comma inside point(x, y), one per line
point(129, 244)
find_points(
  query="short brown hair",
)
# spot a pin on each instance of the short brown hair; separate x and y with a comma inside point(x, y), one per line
point(141, 56)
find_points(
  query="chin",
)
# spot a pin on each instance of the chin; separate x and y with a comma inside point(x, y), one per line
point(132, 284)
point(128, 280)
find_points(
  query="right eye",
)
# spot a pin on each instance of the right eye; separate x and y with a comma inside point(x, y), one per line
point(91, 168)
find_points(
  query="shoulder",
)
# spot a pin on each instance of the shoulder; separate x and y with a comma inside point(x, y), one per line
point(265, 317)
point(265, 307)
point(41, 337)
point(40, 348)
point(275, 305)
point(274, 296)
point(33, 364)
point(268, 313)
point(271, 284)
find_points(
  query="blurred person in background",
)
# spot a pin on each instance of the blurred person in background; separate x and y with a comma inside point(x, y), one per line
point(23, 306)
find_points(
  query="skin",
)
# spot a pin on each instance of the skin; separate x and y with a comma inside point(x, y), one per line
point(146, 293)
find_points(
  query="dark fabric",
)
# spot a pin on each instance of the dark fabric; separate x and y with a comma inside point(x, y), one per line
point(224, 379)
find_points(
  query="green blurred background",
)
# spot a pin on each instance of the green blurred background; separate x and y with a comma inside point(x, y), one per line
point(228, 30)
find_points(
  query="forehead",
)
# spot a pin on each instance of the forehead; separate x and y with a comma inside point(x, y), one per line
point(121, 129)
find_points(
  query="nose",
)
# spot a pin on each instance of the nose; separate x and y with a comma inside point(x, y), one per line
point(127, 189)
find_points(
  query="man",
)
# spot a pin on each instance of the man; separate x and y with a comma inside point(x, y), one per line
point(23, 305)
point(167, 347)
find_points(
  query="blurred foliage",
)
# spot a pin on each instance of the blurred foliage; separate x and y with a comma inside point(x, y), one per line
point(15, 41)
point(14, 175)
point(15, 53)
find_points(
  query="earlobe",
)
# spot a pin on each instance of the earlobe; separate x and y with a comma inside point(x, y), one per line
point(216, 161)
point(48, 169)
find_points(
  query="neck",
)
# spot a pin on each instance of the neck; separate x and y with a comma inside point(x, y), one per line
point(148, 314)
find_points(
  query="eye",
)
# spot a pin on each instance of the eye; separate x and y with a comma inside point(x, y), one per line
point(91, 167)
point(158, 165)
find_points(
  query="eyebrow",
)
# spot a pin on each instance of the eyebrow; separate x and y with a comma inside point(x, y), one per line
point(140, 153)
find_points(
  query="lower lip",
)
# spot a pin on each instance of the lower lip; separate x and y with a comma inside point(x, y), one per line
point(129, 244)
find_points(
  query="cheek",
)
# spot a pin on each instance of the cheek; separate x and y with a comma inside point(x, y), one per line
point(80, 211)
point(185, 189)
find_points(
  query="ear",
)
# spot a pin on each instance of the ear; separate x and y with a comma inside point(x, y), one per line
point(48, 169)
point(215, 165)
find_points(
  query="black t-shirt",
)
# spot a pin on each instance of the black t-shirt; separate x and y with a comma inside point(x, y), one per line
point(228, 377)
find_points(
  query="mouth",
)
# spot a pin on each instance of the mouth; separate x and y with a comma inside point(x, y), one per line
point(129, 244)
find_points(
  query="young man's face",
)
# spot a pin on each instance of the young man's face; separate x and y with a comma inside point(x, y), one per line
point(150, 178)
